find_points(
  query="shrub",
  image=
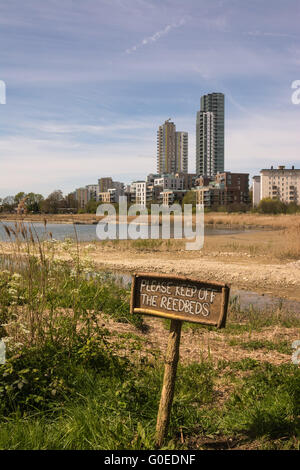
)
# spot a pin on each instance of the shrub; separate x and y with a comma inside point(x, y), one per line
point(271, 206)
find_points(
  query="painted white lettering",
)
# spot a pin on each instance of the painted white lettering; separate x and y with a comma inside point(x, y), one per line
point(205, 310)
point(163, 301)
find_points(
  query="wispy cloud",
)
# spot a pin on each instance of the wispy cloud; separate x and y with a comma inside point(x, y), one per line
point(64, 128)
point(156, 36)
point(270, 34)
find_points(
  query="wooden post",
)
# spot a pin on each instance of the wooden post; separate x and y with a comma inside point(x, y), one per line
point(167, 393)
point(154, 294)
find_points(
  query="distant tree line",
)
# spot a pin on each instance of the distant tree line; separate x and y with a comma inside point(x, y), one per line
point(275, 206)
point(35, 203)
point(56, 203)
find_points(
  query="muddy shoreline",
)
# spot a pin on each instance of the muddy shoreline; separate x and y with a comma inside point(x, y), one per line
point(265, 262)
point(280, 281)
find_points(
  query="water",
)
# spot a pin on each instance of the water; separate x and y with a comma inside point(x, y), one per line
point(84, 233)
point(261, 301)
point(87, 232)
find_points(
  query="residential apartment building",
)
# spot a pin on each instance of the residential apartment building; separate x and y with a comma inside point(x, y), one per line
point(171, 181)
point(129, 193)
point(153, 194)
point(255, 191)
point(281, 183)
point(227, 188)
point(189, 179)
point(110, 196)
point(210, 135)
point(118, 187)
point(140, 192)
point(204, 180)
point(93, 191)
point(105, 197)
point(104, 184)
point(181, 151)
point(169, 197)
point(151, 177)
point(235, 182)
point(107, 185)
point(82, 196)
point(209, 196)
point(172, 149)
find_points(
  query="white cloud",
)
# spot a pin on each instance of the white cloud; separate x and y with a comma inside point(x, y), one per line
point(41, 165)
point(156, 36)
point(257, 142)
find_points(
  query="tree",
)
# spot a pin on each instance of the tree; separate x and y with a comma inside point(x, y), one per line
point(251, 196)
point(34, 202)
point(71, 202)
point(8, 204)
point(292, 208)
point(19, 197)
point(54, 202)
point(91, 206)
point(189, 198)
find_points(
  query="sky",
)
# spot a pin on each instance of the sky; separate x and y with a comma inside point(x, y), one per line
point(89, 82)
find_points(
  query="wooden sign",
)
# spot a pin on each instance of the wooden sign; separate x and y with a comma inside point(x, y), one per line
point(180, 298)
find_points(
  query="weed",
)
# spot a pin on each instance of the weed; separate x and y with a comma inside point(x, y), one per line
point(66, 384)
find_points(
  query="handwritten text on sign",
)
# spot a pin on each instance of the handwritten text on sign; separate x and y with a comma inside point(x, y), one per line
point(180, 298)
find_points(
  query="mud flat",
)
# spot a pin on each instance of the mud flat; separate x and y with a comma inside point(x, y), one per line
point(265, 262)
point(280, 280)
point(262, 262)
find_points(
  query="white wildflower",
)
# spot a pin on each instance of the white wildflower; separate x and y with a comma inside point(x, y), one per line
point(16, 276)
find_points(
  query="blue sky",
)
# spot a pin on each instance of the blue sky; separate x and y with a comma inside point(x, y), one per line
point(89, 82)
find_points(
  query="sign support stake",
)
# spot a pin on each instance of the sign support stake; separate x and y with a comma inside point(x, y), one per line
point(167, 393)
point(179, 299)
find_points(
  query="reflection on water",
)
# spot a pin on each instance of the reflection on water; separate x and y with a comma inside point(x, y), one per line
point(87, 232)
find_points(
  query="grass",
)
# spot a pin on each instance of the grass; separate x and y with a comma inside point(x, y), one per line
point(70, 382)
point(263, 244)
point(266, 403)
point(109, 413)
point(253, 220)
point(283, 347)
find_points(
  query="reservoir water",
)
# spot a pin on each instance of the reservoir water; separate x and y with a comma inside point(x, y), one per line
point(87, 232)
